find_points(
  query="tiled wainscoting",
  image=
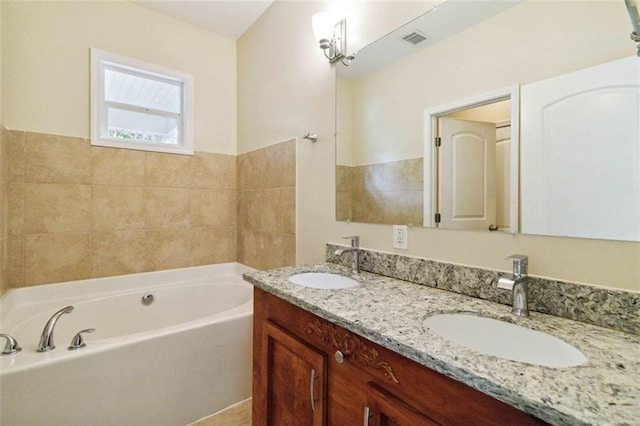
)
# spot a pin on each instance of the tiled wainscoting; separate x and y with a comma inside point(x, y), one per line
point(72, 211)
point(390, 192)
point(78, 211)
point(4, 229)
point(236, 415)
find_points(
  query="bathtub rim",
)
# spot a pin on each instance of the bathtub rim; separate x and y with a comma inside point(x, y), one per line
point(71, 292)
point(77, 290)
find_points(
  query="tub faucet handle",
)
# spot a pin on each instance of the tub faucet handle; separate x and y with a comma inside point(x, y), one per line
point(11, 347)
point(78, 341)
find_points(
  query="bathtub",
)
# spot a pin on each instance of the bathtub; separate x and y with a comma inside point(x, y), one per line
point(176, 360)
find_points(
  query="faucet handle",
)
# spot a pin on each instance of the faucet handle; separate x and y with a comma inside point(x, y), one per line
point(12, 346)
point(520, 262)
point(355, 240)
point(78, 341)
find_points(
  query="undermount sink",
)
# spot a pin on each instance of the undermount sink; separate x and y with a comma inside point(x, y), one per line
point(323, 280)
point(505, 340)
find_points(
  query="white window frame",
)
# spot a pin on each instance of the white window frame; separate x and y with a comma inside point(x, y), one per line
point(102, 60)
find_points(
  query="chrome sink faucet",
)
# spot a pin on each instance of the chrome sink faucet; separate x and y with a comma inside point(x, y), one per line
point(518, 283)
point(355, 250)
point(46, 339)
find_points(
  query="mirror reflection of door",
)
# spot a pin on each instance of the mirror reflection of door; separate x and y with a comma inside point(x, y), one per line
point(467, 174)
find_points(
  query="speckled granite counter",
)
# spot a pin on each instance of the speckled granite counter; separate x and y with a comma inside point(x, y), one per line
point(390, 312)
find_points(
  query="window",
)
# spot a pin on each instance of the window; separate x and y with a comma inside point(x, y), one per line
point(138, 105)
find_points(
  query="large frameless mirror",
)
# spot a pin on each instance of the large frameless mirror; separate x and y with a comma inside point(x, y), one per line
point(452, 121)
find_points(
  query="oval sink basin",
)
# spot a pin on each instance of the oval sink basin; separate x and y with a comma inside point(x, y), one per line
point(323, 280)
point(505, 340)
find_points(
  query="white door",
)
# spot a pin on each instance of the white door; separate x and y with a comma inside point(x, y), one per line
point(580, 153)
point(467, 186)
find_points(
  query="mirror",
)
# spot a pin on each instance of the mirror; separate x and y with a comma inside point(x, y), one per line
point(387, 169)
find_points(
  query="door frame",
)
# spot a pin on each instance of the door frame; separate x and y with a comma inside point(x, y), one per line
point(431, 116)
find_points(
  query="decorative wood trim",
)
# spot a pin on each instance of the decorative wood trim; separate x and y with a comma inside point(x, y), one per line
point(351, 346)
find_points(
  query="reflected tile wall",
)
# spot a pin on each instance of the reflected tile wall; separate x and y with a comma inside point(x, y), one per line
point(388, 193)
point(266, 206)
point(4, 211)
point(73, 211)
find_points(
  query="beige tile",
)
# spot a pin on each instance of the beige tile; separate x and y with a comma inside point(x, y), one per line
point(213, 171)
point(394, 176)
point(117, 208)
point(260, 210)
point(277, 165)
point(15, 154)
point(252, 167)
point(288, 250)
point(213, 245)
point(212, 208)
point(167, 208)
point(287, 213)
point(56, 159)
point(114, 166)
point(288, 163)
point(261, 250)
point(374, 178)
point(414, 200)
point(4, 154)
point(51, 258)
point(168, 170)
point(343, 206)
point(4, 262)
point(117, 253)
point(15, 261)
point(50, 207)
point(415, 174)
point(15, 208)
point(167, 249)
point(343, 178)
point(4, 209)
point(240, 232)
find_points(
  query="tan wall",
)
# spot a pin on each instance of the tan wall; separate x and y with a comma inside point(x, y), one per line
point(266, 206)
point(46, 64)
point(279, 97)
point(78, 211)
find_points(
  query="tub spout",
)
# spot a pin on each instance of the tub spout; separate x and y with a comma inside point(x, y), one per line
point(46, 339)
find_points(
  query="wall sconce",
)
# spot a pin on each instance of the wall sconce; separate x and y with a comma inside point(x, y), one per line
point(332, 37)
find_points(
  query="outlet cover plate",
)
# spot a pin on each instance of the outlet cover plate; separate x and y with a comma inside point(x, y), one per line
point(401, 237)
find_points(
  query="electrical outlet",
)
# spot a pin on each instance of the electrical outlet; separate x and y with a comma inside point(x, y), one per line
point(401, 236)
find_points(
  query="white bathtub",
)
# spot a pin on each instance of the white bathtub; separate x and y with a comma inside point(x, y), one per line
point(184, 356)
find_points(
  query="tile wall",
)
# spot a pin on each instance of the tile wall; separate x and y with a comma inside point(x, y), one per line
point(266, 206)
point(78, 211)
point(388, 193)
point(4, 229)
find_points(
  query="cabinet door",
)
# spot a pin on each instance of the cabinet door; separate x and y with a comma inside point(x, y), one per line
point(294, 379)
point(384, 409)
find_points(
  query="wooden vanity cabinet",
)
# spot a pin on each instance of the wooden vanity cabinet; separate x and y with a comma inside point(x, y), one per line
point(309, 371)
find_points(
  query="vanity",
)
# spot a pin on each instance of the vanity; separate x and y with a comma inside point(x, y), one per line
point(364, 355)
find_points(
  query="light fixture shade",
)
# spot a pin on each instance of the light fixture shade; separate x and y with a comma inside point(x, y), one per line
point(323, 24)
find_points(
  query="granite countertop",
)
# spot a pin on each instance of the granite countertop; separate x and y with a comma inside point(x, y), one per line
point(391, 312)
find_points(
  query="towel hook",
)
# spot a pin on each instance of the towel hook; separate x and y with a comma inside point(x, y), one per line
point(312, 137)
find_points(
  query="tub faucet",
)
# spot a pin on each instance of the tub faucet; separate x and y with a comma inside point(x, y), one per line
point(355, 250)
point(518, 283)
point(46, 339)
point(12, 346)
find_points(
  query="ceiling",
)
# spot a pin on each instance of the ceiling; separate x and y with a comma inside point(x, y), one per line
point(229, 18)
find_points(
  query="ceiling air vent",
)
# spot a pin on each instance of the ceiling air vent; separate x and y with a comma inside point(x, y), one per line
point(415, 38)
